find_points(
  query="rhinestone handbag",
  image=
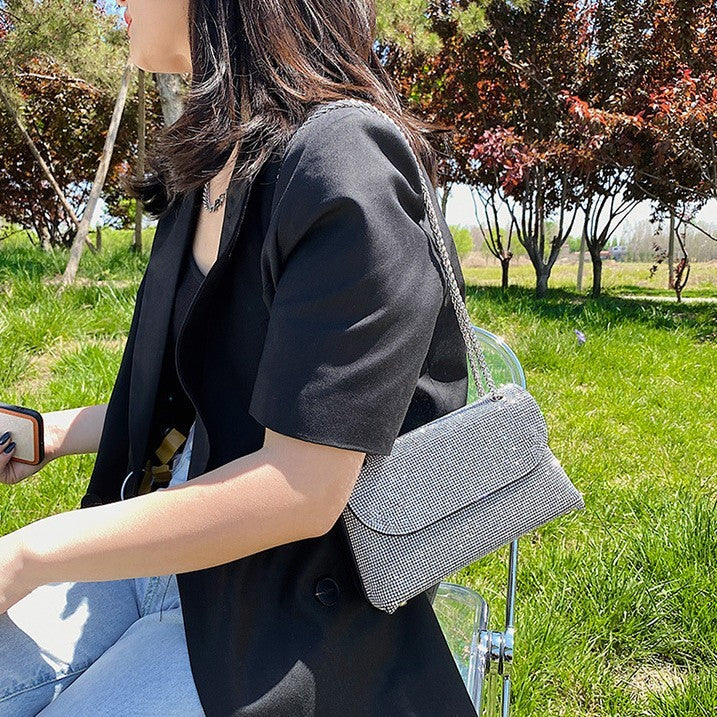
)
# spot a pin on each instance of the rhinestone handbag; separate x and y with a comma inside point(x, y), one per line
point(456, 488)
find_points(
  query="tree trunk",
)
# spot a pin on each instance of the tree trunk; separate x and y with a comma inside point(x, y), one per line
point(597, 275)
point(444, 197)
point(581, 259)
point(541, 284)
point(504, 265)
point(45, 239)
point(169, 87)
point(671, 253)
point(137, 246)
point(81, 236)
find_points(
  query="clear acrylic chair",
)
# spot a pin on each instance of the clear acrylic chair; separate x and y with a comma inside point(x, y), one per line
point(483, 656)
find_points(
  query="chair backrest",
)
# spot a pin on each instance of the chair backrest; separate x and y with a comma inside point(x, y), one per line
point(463, 616)
point(462, 613)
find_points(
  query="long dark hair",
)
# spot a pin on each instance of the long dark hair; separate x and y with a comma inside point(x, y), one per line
point(258, 67)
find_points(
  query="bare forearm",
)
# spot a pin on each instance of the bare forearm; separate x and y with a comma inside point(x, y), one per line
point(238, 509)
point(74, 430)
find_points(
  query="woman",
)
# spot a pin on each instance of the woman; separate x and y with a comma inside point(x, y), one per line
point(292, 318)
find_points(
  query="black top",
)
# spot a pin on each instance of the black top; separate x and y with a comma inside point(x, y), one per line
point(177, 410)
point(190, 280)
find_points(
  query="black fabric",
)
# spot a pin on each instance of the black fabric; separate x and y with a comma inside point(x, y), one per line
point(173, 408)
point(355, 292)
point(261, 642)
point(190, 280)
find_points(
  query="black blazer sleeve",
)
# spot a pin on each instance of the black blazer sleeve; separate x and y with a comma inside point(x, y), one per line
point(352, 289)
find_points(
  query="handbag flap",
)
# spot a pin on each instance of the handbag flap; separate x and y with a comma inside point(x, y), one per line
point(451, 462)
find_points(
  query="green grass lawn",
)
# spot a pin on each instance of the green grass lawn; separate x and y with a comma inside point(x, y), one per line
point(617, 605)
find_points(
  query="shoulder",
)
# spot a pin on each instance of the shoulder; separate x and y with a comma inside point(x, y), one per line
point(346, 127)
point(349, 191)
point(347, 150)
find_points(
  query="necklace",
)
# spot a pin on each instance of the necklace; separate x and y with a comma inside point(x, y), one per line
point(212, 206)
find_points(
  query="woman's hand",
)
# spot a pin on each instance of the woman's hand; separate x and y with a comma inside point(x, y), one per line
point(12, 472)
point(14, 581)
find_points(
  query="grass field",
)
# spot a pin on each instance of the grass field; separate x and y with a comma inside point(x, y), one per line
point(617, 604)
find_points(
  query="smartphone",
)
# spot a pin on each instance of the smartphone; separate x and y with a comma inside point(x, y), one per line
point(27, 430)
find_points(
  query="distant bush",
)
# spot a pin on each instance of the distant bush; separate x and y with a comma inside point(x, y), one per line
point(463, 239)
point(574, 243)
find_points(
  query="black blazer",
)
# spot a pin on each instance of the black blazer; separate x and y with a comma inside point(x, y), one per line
point(328, 319)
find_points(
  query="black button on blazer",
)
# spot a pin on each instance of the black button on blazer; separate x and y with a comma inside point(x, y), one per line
point(329, 320)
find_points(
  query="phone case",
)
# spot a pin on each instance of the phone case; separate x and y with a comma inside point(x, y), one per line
point(25, 425)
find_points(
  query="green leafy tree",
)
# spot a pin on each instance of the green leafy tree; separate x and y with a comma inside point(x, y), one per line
point(463, 240)
point(60, 65)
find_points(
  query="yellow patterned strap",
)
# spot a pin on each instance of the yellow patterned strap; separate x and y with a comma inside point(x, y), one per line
point(159, 476)
point(170, 444)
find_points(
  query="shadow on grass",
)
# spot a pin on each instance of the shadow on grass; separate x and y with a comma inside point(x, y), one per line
point(562, 305)
point(29, 263)
point(112, 262)
point(697, 292)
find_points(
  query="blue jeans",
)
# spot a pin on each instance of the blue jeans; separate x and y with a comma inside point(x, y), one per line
point(105, 648)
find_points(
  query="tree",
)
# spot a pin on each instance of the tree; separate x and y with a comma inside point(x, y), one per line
point(655, 63)
point(499, 91)
point(570, 87)
point(497, 239)
point(62, 94)
point(79, 239)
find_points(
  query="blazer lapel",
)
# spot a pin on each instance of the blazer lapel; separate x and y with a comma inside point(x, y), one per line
point(174, 236)
point(171, 239)
point(233, 214)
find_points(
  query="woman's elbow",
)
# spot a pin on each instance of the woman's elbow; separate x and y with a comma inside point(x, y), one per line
point(324, 475)
point(334, 481)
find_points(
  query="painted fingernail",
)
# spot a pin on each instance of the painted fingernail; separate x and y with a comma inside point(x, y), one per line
point(4, 437)
point(9, 447)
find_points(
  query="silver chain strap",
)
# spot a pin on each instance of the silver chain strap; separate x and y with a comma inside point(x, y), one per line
point(476, 358)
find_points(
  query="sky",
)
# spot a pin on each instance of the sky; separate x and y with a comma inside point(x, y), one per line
point(460, 210)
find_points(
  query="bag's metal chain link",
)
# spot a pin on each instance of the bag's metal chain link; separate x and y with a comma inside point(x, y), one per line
point(476, 357)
